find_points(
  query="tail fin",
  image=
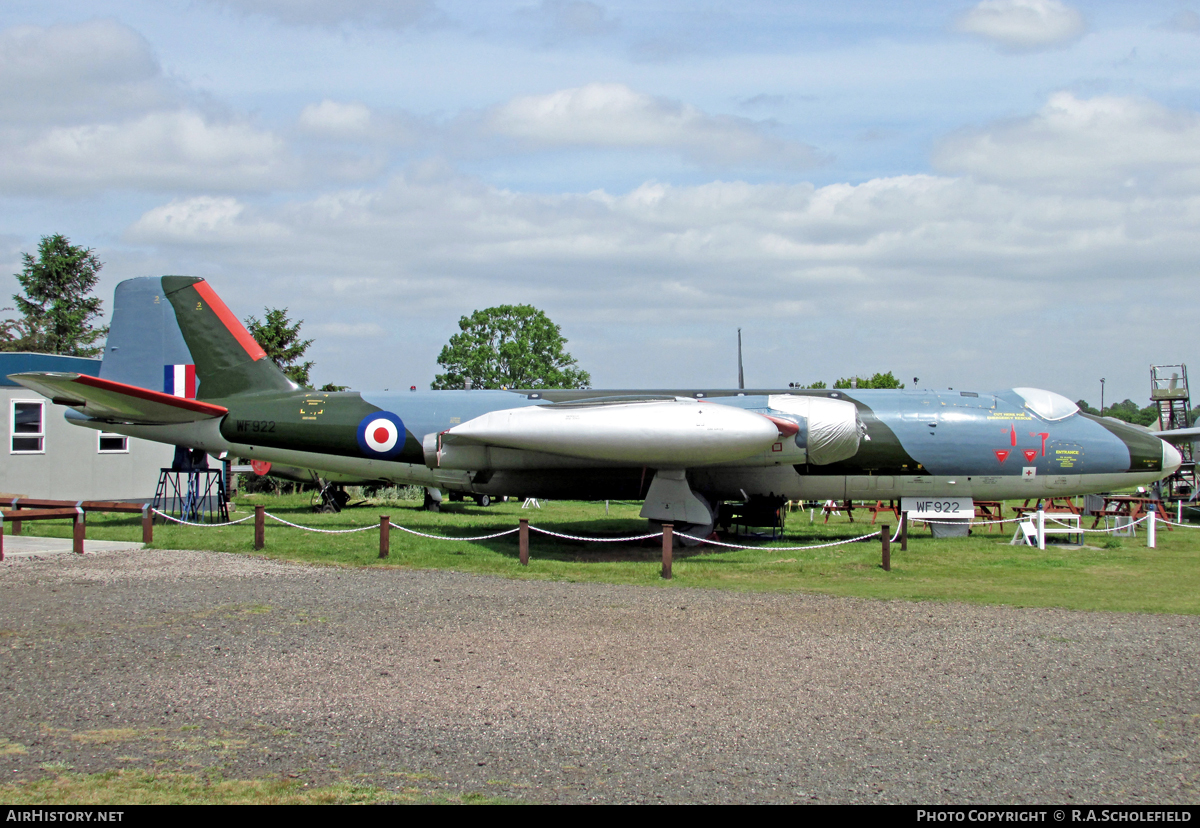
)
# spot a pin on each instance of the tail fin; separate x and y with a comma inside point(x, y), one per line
point(174, 334)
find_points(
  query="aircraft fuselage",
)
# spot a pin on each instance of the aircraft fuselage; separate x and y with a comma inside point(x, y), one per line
point(990, 446)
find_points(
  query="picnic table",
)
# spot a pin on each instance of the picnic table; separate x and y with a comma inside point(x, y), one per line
point(1131, 507)
point(1057, 505)
point(832, 507)
point(892, 506)
point(989, 510)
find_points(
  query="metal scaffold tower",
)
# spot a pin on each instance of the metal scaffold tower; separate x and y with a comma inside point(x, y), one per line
point(1169, 391)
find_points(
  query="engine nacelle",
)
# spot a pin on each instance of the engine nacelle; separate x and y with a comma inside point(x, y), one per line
point(830, 429)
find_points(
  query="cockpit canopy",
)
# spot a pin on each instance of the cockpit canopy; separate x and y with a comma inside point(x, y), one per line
point(1047, 404)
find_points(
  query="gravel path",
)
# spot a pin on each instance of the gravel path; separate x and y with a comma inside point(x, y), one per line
point(560, 692)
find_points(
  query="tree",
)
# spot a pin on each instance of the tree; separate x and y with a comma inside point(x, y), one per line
point(509, 346)
point(12, 333)
point(58, 312)
point(876, 380)
point(1129, 412)
point(280, 338)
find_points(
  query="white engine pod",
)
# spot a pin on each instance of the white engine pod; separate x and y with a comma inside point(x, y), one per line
point(832, 429)
point(660, 433)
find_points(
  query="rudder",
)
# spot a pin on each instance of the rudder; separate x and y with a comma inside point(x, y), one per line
point(161, 326)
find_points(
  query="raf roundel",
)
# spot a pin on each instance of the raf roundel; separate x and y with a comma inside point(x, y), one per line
point(381, 435)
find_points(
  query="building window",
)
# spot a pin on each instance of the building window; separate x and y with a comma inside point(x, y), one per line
point(113, 443)
point(28, 427)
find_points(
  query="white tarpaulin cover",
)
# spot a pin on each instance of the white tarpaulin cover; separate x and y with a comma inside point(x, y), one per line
point(832, 426)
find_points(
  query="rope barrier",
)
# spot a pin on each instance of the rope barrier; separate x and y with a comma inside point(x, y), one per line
point(631, 538)
point(1183, 525)
point(970, 521)
point(444, 537)
point(201, 525)
point(322, 531)
point(1122, 528)
point(599, 540)
point(777, 548)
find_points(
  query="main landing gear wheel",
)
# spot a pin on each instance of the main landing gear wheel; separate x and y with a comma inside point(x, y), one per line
point(331, 497)
point(696, 530)
point(483, 500)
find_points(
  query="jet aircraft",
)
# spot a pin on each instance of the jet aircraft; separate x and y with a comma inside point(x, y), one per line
point(179, 368)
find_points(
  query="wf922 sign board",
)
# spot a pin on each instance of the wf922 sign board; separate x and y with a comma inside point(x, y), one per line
point(938, 508)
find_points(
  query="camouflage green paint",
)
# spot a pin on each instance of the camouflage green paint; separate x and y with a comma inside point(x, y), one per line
point(221, 361)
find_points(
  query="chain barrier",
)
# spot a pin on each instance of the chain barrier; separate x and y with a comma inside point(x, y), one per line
point(201, 525)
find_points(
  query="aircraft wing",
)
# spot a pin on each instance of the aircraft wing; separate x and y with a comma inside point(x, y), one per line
point(1179, 435)
point(115, 401)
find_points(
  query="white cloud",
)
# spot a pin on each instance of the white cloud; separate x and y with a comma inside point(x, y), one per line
point(86, 107)
point(1100, 143)
point(396, 14)
point(71, 73)
point(175, 149)
point(1038, 238)
point(431, 237)
point(1023, 24)
point(205, 220)
point(613, 115)
point(348, 120)
point(929, 260)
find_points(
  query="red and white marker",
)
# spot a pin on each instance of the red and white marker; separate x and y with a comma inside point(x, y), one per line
point(381, 435)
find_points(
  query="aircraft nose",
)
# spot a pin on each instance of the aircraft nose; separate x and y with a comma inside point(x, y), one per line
point(1171, 458)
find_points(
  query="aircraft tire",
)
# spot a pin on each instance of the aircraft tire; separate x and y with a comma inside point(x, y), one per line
point(696, 530)
point(484, 500)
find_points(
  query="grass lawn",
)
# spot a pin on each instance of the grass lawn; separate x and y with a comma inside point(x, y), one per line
point(1118, 574)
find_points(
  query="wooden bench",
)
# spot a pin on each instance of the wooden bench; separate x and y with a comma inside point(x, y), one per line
point(1061, 523)
point(32, 508)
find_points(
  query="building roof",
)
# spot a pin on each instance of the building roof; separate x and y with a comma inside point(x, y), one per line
point(19, 362)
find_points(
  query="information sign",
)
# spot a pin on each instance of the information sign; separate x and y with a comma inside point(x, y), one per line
point(938, 508)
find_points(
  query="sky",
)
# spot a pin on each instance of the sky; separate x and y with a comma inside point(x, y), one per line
point(979, 195)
